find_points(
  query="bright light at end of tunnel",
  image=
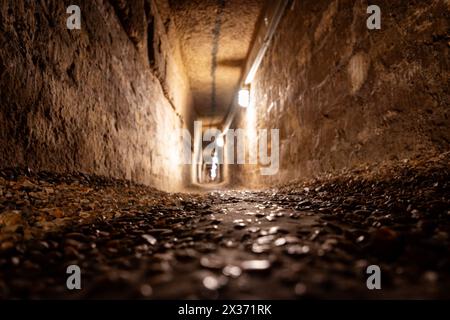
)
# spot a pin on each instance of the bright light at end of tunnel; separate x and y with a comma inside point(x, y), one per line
point(244, 98)
point(215, 161)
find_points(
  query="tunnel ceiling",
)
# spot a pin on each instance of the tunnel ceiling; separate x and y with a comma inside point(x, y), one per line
point(215, 37)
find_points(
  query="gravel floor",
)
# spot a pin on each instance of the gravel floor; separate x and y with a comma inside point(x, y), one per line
point(312, 239)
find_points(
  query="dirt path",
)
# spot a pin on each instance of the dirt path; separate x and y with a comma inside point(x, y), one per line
point(298, 242)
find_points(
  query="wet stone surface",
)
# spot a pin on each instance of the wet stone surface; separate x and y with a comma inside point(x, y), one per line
point(310, 240)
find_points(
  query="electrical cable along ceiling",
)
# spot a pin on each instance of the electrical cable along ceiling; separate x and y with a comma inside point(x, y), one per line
point(215, 37)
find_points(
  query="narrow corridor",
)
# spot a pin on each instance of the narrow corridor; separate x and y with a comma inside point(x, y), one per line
point(224, 149)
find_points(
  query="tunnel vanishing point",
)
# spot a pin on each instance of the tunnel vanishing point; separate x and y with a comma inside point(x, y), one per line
point(134, 137)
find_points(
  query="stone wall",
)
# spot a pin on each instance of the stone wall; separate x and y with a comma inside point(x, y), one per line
point(343, 95)
point(91, 99)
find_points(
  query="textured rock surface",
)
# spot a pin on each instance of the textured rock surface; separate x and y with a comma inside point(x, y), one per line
point(313, 240)
point(215, 36)
point(87, 99)
point(343, 95)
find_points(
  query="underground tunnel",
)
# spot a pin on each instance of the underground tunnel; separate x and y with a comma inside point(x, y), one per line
point(224, 149)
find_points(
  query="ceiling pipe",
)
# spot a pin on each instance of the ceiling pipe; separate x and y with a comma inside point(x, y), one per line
point(279, 11)
point(256, 62)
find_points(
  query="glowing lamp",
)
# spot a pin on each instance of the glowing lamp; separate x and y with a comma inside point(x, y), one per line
point(220, 142)
point(244, 98)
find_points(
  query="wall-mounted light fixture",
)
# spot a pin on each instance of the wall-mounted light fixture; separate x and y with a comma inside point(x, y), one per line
point(220, 141)
point(244, 97)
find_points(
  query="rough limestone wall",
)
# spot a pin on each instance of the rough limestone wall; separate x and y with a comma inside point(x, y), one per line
point(343, 95)
point(84, 99)
point(169, 65)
